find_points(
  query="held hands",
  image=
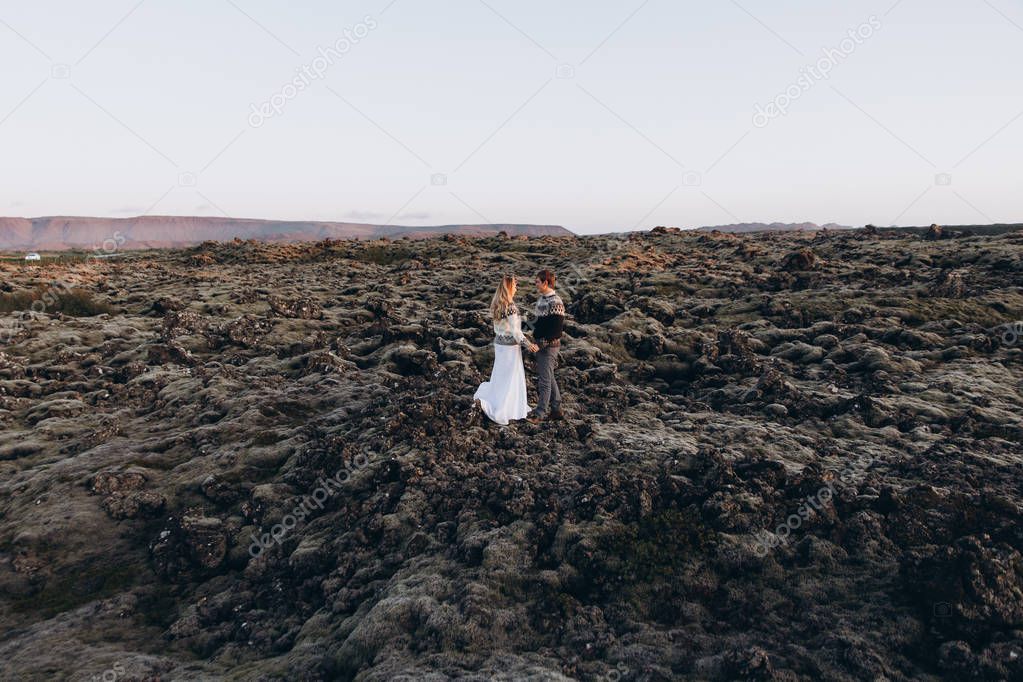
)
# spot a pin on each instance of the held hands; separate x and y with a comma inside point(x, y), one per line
point(533, 348)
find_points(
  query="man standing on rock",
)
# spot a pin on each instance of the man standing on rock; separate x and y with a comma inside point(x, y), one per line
point(550, 320)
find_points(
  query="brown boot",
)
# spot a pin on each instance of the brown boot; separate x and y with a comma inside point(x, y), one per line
point(556, 415)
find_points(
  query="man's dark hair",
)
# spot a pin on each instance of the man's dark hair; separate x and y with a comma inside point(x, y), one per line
point(547, 277)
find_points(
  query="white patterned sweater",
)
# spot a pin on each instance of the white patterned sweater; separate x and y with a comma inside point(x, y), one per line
point(508, 330)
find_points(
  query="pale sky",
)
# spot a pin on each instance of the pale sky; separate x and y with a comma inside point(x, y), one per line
point(596, 115)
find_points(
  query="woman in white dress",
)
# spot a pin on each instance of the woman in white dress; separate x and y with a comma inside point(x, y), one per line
point(503, 398)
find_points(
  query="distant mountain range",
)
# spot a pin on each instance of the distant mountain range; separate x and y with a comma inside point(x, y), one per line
point(152, 232)
point(774, 227)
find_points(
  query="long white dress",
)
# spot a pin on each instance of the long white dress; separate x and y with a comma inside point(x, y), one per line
point(503, 398)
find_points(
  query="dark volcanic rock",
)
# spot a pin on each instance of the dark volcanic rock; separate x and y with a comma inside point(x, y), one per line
point(301, 308)
point(784, 457)
point(979, 584)
point(134, 505)
point(949, 284)
point(803, 259)
point(247, 331)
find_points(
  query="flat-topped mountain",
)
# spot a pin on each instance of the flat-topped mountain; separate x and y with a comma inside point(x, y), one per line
point(774, 227)
point(62, 233)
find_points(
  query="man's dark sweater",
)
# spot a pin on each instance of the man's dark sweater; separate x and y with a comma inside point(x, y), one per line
point(550, 319)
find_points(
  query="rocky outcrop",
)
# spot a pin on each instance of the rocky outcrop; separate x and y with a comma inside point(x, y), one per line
point(784, 457)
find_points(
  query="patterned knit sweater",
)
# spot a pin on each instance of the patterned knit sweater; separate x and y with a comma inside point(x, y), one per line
point(508, 329)
point(550, 319)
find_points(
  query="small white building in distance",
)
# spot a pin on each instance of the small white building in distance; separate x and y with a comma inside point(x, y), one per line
point(32, 256)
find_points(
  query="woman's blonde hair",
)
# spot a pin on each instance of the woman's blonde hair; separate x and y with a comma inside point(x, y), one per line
point(503, 299)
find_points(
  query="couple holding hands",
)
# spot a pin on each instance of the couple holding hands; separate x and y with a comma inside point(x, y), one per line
point(503, 398)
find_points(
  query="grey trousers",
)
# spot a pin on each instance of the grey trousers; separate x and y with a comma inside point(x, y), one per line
point(546, 387)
